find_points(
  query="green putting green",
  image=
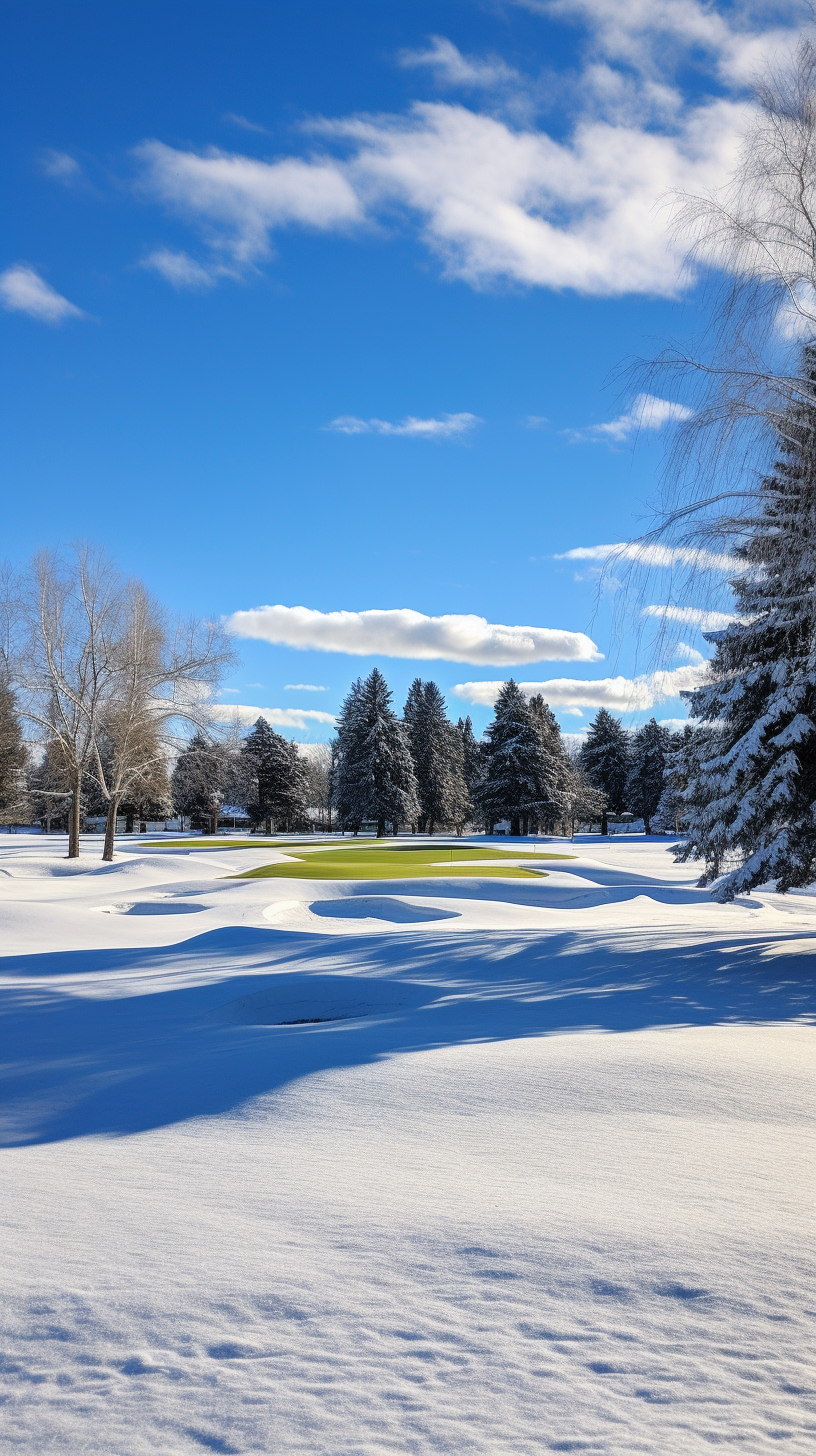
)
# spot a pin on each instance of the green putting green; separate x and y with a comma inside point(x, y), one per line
point(401, 862)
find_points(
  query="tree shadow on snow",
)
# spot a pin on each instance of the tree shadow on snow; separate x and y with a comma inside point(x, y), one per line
point(153, 1036)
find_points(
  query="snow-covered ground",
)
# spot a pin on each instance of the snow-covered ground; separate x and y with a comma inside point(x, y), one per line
point(451, 1166)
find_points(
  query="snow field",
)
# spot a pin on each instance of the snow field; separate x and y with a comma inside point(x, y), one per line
point(541, 1186)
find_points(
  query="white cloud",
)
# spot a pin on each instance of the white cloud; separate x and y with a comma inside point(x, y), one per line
point(648, 412)
point(676, 725)
point(689, 653)
point(60, 166)
point(278, 717)
point(22, 290)
point(451, 68)
point(654, 554)
point(304, 688)
point(701, 617)
point(405, 633)
point(432, 429)
point(235, 119)
point(502, 200)
point(238, 200)
point(183, 271)
point(619, 694)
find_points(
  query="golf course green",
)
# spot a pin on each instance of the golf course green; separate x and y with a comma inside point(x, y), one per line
point(374, 861)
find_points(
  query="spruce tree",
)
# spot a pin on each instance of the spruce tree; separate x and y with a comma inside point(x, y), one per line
point(517, 780)
point(438, 758)
point(199, 781)
point(671, 810)
point(373, 772)
point(278, 775)
point(605, 761)
point(472, 765)
point(551, 803)
point(751, 799)
point(14, 806)
point(647, 762)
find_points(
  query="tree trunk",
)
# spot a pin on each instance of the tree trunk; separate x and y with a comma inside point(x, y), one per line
point(381, 829)
point(214, 817)
point(129, 822)
point(514, 825)
point(604, 823)
point(73, 819)
point(110, 829)
point(647, 825)
point(525, 825)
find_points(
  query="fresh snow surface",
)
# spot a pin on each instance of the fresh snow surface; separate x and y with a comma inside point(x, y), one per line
point(460, 1166)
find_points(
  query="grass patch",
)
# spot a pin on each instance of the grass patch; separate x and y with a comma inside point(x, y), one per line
point(400, 862)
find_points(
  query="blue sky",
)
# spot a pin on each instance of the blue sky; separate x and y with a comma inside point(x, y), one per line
point(323, 306)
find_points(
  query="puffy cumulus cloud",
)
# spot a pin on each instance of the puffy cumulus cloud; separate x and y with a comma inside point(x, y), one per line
point(432, 429)
point(648, 412)
point(702, 617)
point(619, 694)
point(22, 290)
point(655, 554)
point(405, 633)
point(278, 717)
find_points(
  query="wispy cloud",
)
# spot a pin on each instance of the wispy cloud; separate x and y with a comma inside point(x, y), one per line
point(60, 166)
point(701, 617)
point(452, 68)
point(432, 429)
point(648, 412)
point(235, 119)
point(404, 633)
point(304, 688)
point(183, 271)
point(653, 554)
point(619, 694)
point(691, 654)
point(22, 290)
point(278, 717)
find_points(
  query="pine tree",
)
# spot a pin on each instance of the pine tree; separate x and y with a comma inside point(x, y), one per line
point(199, 780)
point(605, 761)
point(551, 804)
point(373, 775)
point(671, 810)
point(518, 778)
point(14, 805)
point(472, 766)
point(278, 778)
point(438, 758)
point(647, 762)
point(751, 801)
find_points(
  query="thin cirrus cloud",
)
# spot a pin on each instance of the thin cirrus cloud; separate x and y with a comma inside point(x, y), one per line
point(22, 290)
point(304, 688)
point(405, 633)
point(433, 429)
point(302, 718)
point(495, 199)
point(618, 694)
point(648, 412)
point(654, 554)
point(60, 166)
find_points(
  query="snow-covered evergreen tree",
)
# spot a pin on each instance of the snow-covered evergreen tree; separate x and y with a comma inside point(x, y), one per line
point(519, 774)
point(605, 761)
point(278, 778)
point(472, 766)
point(551, 805)
point(438, 757)
point(670, 814)
point(752, 801)
point(14, 803)
point(583, 802)
point(373, 772)
point(647, 762)
point(199, 781)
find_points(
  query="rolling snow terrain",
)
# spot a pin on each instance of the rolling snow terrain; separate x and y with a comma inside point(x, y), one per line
point(424, 1166)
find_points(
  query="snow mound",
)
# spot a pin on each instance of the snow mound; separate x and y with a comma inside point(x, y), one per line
point(150, 907)
point(298, 999)
point(380, 907)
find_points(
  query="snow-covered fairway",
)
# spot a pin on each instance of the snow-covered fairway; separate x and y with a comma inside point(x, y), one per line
point(545, 1183)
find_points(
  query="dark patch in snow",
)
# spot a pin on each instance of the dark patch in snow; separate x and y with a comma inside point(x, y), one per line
point(212, 1443)
point(681, 1291)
